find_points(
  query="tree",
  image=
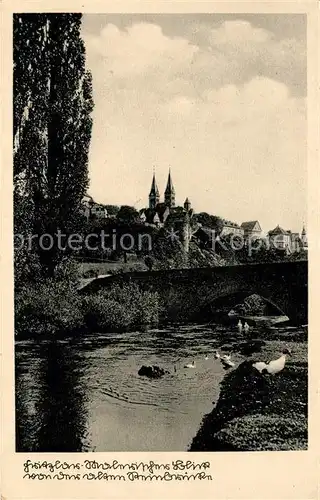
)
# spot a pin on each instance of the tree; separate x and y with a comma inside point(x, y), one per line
point(210, 221)
point(127, 214)
point(112, 209)
point(52, 126)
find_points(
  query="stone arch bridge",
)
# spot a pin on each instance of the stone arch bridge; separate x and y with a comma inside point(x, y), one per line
point(186, 292)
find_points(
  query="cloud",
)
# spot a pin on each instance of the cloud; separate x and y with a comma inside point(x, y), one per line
point(141, 48)
point(222, 114)
point(234, 52)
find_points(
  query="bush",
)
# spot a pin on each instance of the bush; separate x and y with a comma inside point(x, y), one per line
point(55, 307)
point(120, 308)
point(49, 307)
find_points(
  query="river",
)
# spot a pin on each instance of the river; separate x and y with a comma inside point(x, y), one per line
point(85, 394)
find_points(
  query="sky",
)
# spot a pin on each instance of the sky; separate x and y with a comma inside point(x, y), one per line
point(219, 99)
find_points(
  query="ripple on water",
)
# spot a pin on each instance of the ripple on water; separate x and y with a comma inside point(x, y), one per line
point(89, 389)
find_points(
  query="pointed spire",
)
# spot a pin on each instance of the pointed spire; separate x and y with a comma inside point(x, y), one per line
point(169, 188)
point(154, 188)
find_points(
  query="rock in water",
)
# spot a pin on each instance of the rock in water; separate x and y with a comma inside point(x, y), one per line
point(152, 371)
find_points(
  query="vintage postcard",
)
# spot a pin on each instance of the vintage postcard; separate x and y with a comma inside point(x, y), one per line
point(159, 250)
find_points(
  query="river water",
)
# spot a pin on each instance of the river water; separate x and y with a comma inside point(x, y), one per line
point(86, 394)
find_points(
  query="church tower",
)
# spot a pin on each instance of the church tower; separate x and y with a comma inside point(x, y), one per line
point(187, 205)
point(169, 194)
point(154, 196)
point(304, 238)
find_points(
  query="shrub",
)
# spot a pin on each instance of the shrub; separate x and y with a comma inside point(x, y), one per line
point(49, 307)
point(120, 308)
point(54, 307)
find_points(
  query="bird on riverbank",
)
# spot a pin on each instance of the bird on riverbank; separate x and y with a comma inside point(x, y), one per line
point(246, 327)
point(190, 365)
point(274, 366)
point(239, 325)
point(217, 355)
point(206, 357)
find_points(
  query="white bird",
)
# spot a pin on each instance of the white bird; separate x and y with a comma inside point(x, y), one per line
point(227, 363)
point(190, 365)
point(274, 366)
point(217, 355)
point(206, 357)
point(246, 327)
point(239, 326)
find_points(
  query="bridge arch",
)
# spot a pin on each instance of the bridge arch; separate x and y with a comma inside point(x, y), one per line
point(228, 300)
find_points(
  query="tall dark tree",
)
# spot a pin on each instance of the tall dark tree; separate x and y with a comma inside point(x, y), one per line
point(52, 126)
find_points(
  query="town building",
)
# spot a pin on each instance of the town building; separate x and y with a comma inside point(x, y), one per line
point(251, 230)
point(287, 240)
point(280, 239)
point(231, 228)
point(92, 210)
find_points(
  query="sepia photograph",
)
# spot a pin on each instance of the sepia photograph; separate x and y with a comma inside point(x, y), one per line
point(160, 232)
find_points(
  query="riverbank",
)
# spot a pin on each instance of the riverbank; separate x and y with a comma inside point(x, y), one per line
point(257, 412)
point(54, 308)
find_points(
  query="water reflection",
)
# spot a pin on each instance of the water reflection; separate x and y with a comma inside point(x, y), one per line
point(50, 399)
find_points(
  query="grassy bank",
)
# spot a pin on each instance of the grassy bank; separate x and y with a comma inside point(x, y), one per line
point(259, 412)
point(93, 269)
point(54, 307)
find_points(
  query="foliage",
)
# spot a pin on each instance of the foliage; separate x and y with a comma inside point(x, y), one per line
point(54, 307)
point(127, 214)
point(120, 308)
point(210, 221)
point(253, 305)
point(112, 209)
point(46, 308)
point(149, 262)
point(52, 127)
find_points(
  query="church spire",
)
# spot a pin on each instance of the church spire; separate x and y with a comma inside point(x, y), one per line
point(154, 196)
point(169, 194)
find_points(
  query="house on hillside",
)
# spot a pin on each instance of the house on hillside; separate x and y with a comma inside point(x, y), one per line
point(287, 240)
point(92, 210)
point(251, 230)
point(231, 228)
point(280, 239)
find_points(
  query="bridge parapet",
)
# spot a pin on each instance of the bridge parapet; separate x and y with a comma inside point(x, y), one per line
point(185, 292)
